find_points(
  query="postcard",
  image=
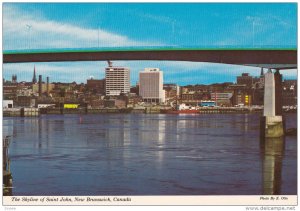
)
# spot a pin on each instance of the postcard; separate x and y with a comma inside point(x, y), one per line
point(149, 104)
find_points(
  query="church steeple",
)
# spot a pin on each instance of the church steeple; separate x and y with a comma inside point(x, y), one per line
point(34, 76)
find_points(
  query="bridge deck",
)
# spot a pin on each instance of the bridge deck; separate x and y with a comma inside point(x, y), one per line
point(228, 55)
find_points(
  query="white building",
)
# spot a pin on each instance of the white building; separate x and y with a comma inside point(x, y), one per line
point(7, 104)
point(151, 85)
point(117, 80)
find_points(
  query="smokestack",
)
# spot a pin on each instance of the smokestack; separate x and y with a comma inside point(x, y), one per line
point(47, 85)
point(40, 85)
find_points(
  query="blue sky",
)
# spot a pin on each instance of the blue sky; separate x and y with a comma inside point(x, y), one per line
point(67, 25)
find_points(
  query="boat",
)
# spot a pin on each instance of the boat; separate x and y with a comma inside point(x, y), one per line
point(182, 109)
point(186, 111)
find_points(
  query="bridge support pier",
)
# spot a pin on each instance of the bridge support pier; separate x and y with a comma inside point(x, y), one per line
point(272, 125)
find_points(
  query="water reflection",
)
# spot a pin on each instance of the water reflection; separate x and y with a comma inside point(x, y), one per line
point(115, 137)
point(40, 126)
point(152, 153)
point(246, 123)
point(272, 150)
point(161, 140)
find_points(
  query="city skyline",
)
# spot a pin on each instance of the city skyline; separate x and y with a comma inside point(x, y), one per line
point(27, 26)
point(205, 70)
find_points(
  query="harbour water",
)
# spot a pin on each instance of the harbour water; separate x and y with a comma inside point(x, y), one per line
point(149, 154)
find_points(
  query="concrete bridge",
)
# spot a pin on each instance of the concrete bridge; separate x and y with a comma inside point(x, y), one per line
point(274, 58)
point(270, 57)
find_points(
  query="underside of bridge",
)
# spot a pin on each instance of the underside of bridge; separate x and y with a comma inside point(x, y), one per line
point(275, 59)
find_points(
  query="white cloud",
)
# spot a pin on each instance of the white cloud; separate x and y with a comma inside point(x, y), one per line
point(44, 33)
point(52, 34)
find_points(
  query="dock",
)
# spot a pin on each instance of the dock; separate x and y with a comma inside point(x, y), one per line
point(21, 112)
point(228, 110)
point(36, 112)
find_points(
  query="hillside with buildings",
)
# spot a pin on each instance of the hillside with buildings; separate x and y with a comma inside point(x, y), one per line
point(115, 91)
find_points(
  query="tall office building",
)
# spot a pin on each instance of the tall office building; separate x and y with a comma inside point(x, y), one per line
point(151, 85)
point(117, 80)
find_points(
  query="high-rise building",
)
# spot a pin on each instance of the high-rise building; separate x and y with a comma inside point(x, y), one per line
point(34, 76)
point(151, 85)
point(117, 80)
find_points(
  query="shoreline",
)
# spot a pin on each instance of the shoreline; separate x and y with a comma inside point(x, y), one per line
point(35, 112)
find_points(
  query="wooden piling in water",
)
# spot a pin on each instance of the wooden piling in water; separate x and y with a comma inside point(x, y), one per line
point(7, 176)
